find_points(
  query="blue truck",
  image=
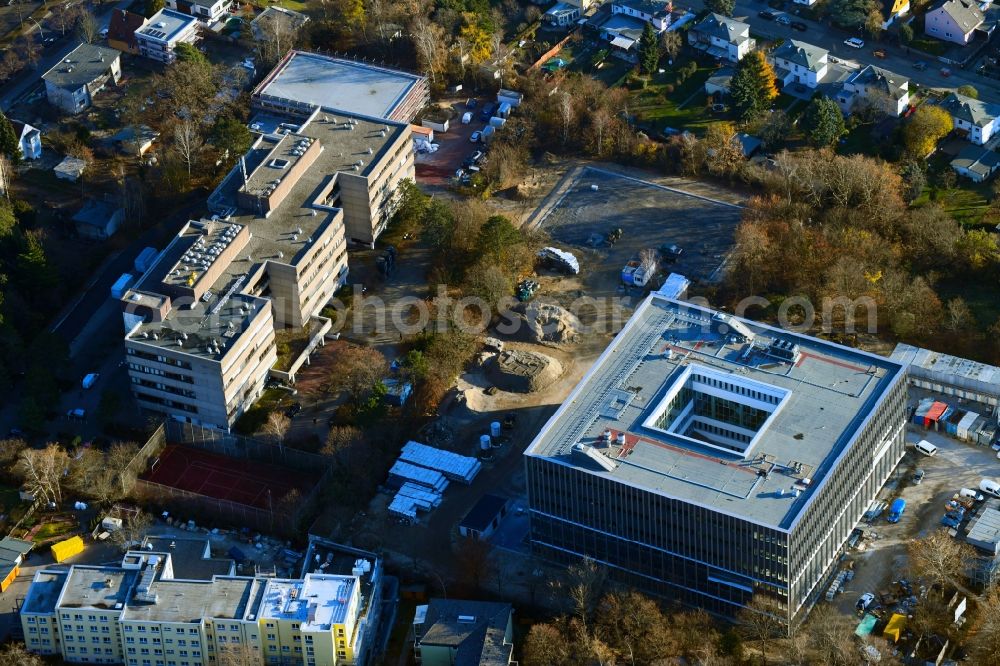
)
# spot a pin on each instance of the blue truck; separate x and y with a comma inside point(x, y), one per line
point(896, 509)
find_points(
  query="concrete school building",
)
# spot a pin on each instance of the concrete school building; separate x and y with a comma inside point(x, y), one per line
point(170, 603)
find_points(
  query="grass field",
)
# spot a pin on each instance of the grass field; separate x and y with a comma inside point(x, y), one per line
point(967, 202)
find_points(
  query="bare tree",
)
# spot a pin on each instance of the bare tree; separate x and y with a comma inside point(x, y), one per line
point(583, 588)
point(5, 173)
point(88, 27)
point(428, 38)
point(277, 427)
point(648, 259)
point(15, 654)
point(66, 18)
point(356, 369)
point(984, 641)
point(340, 438)
point(566, 114)
point(761, 622)
point(545, 645)
point(187, 142)
point(42, 471)
point(240, 654)
point(274, 39)
point(135, 524)
point(940, 559)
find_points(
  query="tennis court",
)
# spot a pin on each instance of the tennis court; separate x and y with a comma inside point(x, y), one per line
point(240, 480)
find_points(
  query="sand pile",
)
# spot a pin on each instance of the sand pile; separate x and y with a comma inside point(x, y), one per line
point(541, 322)
point(523, 371)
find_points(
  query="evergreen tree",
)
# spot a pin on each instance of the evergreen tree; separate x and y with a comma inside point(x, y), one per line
point(649, 50)
point(724, 7)
point(9, 144)
point(823, 122)
point(153, 6)
point(753, 86)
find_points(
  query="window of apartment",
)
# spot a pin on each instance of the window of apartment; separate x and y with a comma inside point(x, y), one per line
point(270, 637)
point(182, 642)
point(31, 620)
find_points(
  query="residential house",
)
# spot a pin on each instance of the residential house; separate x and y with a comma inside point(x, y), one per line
point(874, 85)
point(455, 631)
point(953, 20)
point(976, 163)
point(583, 5)
point(807, 3)
point(798, 62)
point(975, 118)
point(624, 25)
point(892, 10)
point(76, 79)
point(12, 553)
point(206, 11)
point(122, 28)
point(166, 29)
point(722, 37)
point(749, 144)
point(654, 12)
point(98, 220)
point(562, 15)
point(277, 21)
point(29, 138)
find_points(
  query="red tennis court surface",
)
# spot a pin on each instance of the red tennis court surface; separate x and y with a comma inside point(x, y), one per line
point(222, 477)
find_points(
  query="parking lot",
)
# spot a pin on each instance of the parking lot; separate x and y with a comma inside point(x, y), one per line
point(454, 146)
point(594, 201)
point(957, 465)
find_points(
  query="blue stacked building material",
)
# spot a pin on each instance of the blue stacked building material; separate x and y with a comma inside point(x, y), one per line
point(404, 472)
point(454, 466)
point(423, 498)
point(403, 507)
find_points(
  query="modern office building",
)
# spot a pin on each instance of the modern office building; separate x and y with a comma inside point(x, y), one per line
point(710, 459)
point(170, 603)
point(302, 82)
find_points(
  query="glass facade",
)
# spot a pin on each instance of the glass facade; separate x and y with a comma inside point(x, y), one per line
point(704, 557)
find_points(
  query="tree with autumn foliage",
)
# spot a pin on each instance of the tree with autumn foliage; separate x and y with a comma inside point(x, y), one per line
point(753, 86)
point(928, 125)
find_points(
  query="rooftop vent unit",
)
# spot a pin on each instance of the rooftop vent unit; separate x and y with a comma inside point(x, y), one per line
point(161, 24)
point(784, 350)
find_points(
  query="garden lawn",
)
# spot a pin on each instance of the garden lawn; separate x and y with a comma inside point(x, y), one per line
point(967, 202)
point(683, 109)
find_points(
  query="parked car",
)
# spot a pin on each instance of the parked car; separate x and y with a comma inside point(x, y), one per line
point(918, 477)
point(783, 20)
point(864, 601)
point(920, 65)
point(879, 53)
point(293, 409)
point(766, 15)
point(476, 136)
point(854, 43)
point(471, 103)
point(800, 26)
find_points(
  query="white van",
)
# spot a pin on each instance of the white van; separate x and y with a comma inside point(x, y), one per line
point(990, 487)
point(926, 448)
point(969, 492)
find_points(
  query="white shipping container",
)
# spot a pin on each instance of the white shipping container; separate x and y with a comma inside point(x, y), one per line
point(965, 424)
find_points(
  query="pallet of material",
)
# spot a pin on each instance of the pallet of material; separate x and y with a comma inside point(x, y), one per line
point(454, 466)
point(404, 472)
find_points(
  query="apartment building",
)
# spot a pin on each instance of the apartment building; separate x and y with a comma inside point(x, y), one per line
point(73, 82)
point(201, 322)
point(712, 459)
point(167, 28)
point(169, 603)
point(206, 11)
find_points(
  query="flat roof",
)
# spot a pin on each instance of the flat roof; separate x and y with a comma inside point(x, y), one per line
point(165, 24)
point(820, 401)
point(280, 237)
point(97, 587)
point(483, 512)
point(82, 65)
point(44, 591)
point(189, 601)
point(336, 84)
point(316, 602)
point(190, 559)
point(984, 531)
